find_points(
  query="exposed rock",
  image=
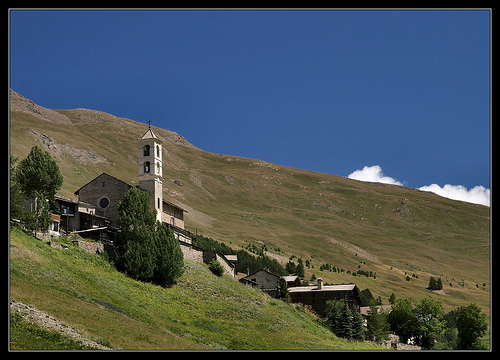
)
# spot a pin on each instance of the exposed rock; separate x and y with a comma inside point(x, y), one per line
point(58, 149)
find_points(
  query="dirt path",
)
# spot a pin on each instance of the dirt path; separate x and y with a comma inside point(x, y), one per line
point(49, 323)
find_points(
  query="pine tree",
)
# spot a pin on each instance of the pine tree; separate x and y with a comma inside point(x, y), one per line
point(439, 284)
point(135, 246)
point(39, 173)
point(392, 299)
point(333, 318)
point(358, 327)
point(300, 270)
point(169, 257)
point(345, 326)
point(432, 284)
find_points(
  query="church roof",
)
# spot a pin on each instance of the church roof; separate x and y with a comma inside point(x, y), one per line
point(77, 192)
point(150, 135)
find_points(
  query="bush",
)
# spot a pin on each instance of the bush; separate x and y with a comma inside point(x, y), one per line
point(216, 268)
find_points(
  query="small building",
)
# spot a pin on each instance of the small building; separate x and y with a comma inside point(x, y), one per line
point(77, 215)
point(292, 280)
point(263, 279)
point(317, 295)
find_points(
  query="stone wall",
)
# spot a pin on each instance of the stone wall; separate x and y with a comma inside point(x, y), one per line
point(95, 248)
point(194, 253)
point(190, 252)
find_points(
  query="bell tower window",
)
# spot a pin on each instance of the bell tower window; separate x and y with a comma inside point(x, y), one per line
point(158, 150)
point(147, 167)
point(146, 150)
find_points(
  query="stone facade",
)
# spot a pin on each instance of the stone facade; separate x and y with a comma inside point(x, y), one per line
point(104, 192)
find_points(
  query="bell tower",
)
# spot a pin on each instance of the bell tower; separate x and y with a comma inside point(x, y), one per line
point(150, 170)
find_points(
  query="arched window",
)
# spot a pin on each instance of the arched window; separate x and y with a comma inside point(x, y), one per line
point(158, 203)
point(146, 150)
point(147, 167)
point(158, 150)
point(157, 167)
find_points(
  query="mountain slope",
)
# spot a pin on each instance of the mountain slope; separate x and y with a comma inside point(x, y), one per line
point(392, 231)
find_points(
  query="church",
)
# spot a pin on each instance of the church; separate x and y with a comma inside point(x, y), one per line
point(96, 211)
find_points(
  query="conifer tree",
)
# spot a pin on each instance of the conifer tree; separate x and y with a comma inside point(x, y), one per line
point(38, 173)
point(439, 284)
point(432, 284)
point(358, 327)
point(135, 251)
point(169, 257)
point(145, 249)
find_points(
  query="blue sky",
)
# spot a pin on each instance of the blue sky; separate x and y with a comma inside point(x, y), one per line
point(330, 91)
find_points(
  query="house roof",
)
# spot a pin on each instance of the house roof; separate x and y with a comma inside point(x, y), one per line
point(290, 278)
point(314, 288)
point(265, 270)
point(176, 206)
point(231, 257)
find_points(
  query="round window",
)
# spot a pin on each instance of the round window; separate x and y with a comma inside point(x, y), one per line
point(104, 202)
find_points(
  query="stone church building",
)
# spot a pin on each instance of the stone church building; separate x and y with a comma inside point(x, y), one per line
point(103, 194)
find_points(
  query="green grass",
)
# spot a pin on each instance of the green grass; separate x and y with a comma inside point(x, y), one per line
point(27, 335)
point(203, 311)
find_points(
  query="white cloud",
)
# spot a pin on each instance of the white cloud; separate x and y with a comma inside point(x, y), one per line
point(476, 195)
point(372, 174)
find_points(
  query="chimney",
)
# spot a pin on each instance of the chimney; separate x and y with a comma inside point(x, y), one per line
point(320, 284)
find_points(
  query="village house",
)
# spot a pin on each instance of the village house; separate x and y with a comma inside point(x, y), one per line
point(317, 295)
point(314, 295)
point(264, 280)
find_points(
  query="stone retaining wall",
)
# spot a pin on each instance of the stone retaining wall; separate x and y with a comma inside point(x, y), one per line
point(190, 252)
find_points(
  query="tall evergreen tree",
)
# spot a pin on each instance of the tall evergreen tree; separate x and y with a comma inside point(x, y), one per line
point(169, 257)
point(135, 250)
point(358, 327)
point(376, 325)
point(432, 284)
point(439, 284)
point(39, 173)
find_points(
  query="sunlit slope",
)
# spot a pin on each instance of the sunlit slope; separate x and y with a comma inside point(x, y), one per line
point(392, 231)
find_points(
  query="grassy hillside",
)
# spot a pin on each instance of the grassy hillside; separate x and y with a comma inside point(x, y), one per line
point(202, 311)
point(392, 231)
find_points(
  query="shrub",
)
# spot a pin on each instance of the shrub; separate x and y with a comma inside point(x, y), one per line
point(216, 268)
